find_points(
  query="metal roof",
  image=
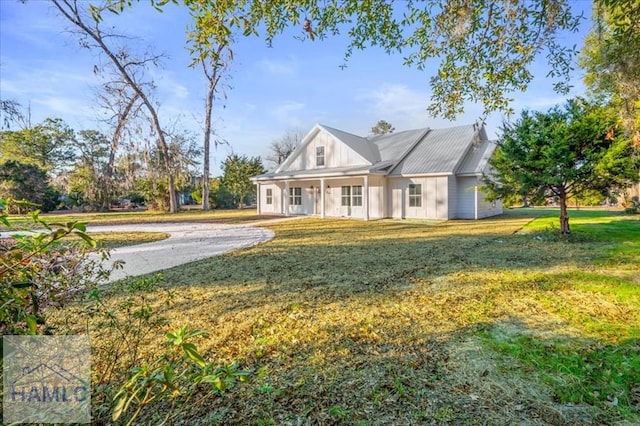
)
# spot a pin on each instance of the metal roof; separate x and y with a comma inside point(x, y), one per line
point(456, 150)
point(393, 146)
point(477, 158)
point(319, 173)
point(440, 151)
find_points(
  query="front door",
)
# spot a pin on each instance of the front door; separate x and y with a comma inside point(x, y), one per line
point(345, 201)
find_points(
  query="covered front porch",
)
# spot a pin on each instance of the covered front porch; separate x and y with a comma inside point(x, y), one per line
point(345, 196)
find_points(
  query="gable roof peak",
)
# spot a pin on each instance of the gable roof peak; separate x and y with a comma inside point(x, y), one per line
point(368, 151)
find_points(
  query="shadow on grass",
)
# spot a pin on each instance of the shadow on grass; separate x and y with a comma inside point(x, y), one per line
point(347, 322)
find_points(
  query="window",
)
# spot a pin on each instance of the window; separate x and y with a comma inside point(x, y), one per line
point(415, 195)
point(356, 196)
point(295, 196)
point(320, 156)
point(352, 196)
point(346, 196)
point(269, 197)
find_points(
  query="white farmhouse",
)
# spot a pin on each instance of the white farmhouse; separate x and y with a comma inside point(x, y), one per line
point(424, 173)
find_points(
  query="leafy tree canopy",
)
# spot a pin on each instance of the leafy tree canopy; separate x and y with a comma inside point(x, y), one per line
point(562, 152)
point(484, 49)
point(611, 59)
point(237, 171)
point(48, 145)
point(27, 186)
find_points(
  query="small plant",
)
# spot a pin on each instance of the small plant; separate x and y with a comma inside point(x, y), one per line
point(633, 207)
point(338, 412)
point(177, 377)
point(39, 271)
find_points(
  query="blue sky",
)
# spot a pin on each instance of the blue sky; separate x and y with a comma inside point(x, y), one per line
point(289, 86)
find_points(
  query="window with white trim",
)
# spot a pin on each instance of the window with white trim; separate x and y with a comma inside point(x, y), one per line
point(320, 156)
point(269, 196)
point(415, 195)
point(295, 196)
point(356, 196)
point(352, 196)
point(346, 196)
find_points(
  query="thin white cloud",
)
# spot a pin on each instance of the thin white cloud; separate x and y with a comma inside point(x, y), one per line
point(65, 106)
point(406, 108)
point(180, 91)
point(288, 113)
point(403, 107)
point(539, 102)
point(286, 67)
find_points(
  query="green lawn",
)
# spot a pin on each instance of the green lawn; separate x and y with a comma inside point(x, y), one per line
point(497, 321)
point(112, 240)
point(113, 218)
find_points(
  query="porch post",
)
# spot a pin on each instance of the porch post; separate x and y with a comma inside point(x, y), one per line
point(475, 202)
point(258, 198)
point(322, 190)
point(366, 198)
point(286, 198)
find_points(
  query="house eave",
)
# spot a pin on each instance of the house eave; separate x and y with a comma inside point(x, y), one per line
point(416, 175)
point(308, 176)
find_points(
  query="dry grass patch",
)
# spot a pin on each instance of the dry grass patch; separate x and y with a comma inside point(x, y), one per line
point(115, 218)
point(111, 240)
point(390, 322)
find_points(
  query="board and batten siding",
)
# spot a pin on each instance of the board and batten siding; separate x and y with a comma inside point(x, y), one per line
point(435, 198)
point(333, 198)
point(336, 154)
point(452, 184)
point(467, 198)
point(276, 204)
point(377, 197)
point(488, 208)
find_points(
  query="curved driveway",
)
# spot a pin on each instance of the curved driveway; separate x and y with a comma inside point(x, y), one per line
point(188, 242)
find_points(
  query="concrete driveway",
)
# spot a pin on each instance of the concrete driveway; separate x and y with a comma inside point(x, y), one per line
point(188, 242)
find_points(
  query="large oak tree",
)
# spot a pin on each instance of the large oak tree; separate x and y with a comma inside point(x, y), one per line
point(481, 51)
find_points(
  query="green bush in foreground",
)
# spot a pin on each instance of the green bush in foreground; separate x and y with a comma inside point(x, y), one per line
point(179, 376)
point(39, 271)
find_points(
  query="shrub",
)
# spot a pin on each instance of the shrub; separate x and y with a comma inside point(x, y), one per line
point(39, 271)
point(177, 377)
point(134, 380)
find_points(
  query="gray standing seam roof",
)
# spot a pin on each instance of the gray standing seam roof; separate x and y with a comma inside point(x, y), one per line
point(393, 146)
point(477, 158)
point(440, 151)
point(416, 152)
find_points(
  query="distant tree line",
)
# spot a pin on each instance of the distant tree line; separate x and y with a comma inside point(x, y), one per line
point(49, 165)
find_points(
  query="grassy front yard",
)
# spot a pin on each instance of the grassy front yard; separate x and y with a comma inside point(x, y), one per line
point(114, 218)
point(496, 321)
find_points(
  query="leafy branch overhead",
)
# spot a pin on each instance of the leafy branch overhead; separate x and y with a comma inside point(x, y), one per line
point(481, 51)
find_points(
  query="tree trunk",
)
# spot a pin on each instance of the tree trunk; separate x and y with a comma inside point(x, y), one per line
point(115, 142)
point(207, 143)
point(564, 217)
point(213, 77)
point(73, 15)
